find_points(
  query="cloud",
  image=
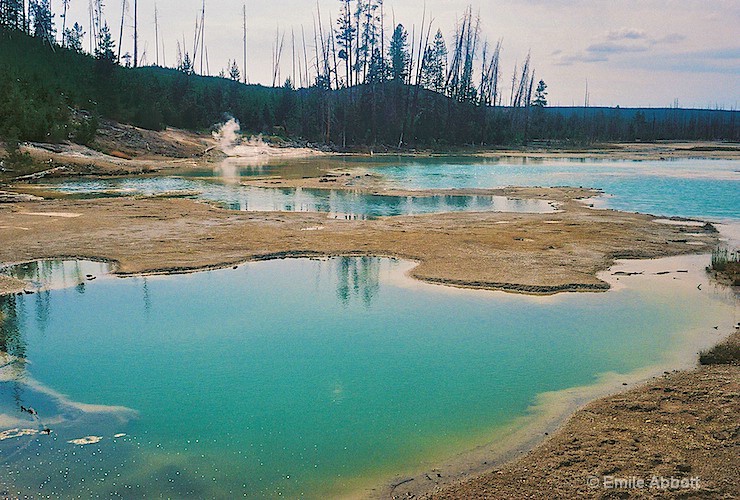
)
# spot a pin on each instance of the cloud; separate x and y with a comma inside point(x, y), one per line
point(617, 48)
point(627, 34)
point(617, 42)
point(717, 61)
point(724, 53)
point(580, 57)
point(671, 38)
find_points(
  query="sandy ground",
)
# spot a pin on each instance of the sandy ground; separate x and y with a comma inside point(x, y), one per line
point(528, 253)
point(10, 285)
point(666, 150)
point(683, 425)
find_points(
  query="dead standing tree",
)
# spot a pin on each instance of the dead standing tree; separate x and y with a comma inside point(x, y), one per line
point(277, 53)
point(120, 36)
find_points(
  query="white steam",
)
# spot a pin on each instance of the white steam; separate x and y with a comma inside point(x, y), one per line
point(233, 144)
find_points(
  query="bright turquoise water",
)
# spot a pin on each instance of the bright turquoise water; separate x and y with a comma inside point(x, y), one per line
point(298, 376)
point(686, 188)
point(339, 203)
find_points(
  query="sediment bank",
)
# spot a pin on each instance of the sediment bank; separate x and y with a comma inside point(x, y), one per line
point(528, 253)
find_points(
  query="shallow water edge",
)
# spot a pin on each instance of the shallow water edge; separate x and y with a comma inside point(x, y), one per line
point(552, 409)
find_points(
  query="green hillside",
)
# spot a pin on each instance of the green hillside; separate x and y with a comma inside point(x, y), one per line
point(48, 93)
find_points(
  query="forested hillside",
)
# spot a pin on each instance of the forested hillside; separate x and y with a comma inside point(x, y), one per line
point(50, 93)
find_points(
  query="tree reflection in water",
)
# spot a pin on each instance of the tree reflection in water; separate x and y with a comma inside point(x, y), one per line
point(11, 320)
point(12, 346)
point(357, 277)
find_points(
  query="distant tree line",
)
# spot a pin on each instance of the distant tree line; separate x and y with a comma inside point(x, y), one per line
point(409, 91)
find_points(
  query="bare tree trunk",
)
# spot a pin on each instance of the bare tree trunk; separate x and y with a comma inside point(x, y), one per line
point(305, 57)
point(136, 34)
point(324, 49)
point(357, 48)
point(299, 85)
point(196, 41)
point(496, 73)
point(316, 48)
point(156, 31)
point(202, 34)
point(64, 25)
point(482, 90)
point(348, 22)
point(334, 55)
point(244, 33)
point(292, 44)
point(278, 53)
point(120, 36)
point(423, 42)
point(410, 69)
point(93, 36)
point(382, 39)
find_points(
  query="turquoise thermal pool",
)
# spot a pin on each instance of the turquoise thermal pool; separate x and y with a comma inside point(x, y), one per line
point(303, 377)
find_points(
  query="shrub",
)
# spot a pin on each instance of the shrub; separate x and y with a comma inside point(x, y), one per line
point(726, 353)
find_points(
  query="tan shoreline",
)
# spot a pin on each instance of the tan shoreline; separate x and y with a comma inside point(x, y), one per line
point(681, 425)
point(631, 151)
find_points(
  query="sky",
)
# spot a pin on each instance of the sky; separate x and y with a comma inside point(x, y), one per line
point(629, 52)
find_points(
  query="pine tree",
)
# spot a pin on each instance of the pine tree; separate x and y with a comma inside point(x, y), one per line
point(73, 38)
point(540, 95)
point(187, 64)
point(105, 50)
point(434, 72)
point(398, 54)
point(11, 14)
point(377, 72)
point(43, 20)
point(234, 72)
point(345, 35)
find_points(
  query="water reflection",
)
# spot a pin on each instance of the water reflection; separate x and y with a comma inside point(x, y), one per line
point(147, 297)
point(32, 311)
point(13, 348)
point(41, 277)
point(50, 274)
point(11, 328)
point(357, 277)
point(258, 167)
point(337, 203)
